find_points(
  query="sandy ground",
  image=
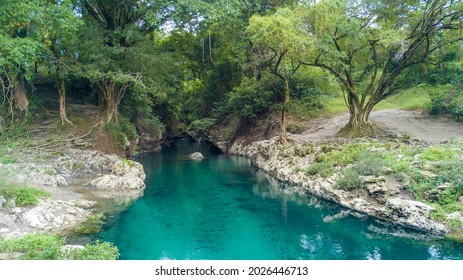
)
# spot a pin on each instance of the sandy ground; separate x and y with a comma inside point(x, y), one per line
point(416, 124)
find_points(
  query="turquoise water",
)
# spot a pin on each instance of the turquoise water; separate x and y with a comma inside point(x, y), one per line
point(223, 208)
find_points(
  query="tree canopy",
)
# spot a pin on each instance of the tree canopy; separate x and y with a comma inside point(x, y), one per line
point(170, 65)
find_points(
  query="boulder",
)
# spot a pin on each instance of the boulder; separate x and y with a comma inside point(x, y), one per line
point(414, 214)
point(196, 156)
point(127, 179)
point(57, 216)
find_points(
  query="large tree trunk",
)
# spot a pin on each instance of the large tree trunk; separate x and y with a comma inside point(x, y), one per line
point(110, 97)
point(21, 101)
point(62, 103)
point(359, 124)
point(284, 107)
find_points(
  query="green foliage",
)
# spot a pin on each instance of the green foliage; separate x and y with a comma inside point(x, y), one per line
point(447, 99)
point(350, 181)
point(97, 251)
point(34, 247)
point(324, 169)
point(202, 126)
point(117, 135)
point(248, 100)
point(346, 154)
point(22, 195)
point(436, 154)
point(369, 163)
point(93, 225)
point(49, 247)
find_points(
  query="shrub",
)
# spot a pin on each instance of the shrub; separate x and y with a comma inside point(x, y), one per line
point(324, 169)
point(344, 155)
point(369, 163)
point(97, 251)
point(447, 99)
point(116, 134)
point(22, 195)
point(49, 247)
point(202, 126)
point(34, 247)
point(350, 180)
point(92, 225)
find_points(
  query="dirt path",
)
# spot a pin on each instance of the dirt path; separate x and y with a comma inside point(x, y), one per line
point(416, 124)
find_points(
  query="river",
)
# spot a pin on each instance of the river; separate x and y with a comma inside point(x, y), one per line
point(222, 208)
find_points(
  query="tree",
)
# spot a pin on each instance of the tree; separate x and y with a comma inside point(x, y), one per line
point(60, 34)
point(20, 49)
point(368, 44)
point(279, 43)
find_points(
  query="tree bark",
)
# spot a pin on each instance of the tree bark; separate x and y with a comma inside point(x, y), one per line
point(110, 97)
point(62, 103)
point(284, 107)
point(359, 124)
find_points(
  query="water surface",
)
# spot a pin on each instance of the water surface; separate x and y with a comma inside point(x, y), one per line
point(223, 208)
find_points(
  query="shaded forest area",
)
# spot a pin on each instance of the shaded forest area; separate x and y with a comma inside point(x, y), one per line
point(168, 68)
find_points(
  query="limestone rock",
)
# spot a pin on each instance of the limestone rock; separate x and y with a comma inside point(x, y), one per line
point(116, 183)
point(196, 156)
point(57, 216)
point(414, 214)
point(128, 168)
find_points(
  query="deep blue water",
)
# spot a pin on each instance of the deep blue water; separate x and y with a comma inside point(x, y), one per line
point(222, 208)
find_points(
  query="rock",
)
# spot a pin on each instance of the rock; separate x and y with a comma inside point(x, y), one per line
point(196, 156)
point(128, 168)
point(338, 216)
point(110, 186)
point(66, 249)
point(2, 201)
point(11, 256)
point(414, 214)
point(57, 216)
point(127, 179)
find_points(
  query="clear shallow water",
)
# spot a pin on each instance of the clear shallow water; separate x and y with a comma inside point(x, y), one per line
point(222, 208)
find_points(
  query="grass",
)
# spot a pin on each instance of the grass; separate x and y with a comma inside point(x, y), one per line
point(22, 195)
point(49, 247)
point(417, 98)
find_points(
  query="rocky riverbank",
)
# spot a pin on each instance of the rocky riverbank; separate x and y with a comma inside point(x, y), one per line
point(381, 196)
point(76, 179)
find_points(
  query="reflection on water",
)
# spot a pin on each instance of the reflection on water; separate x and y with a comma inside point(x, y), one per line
point(222, 208)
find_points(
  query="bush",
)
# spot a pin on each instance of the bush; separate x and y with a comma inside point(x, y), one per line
point(248, 100)
point(350, 181)
point(97, 251)
point(369, 163)
point(49, 247)
point(22, 195)
point(324, 169)
point(92, 225)
point(201, 127)
point(447, 99)
point(116, 134)
point(34, 247)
